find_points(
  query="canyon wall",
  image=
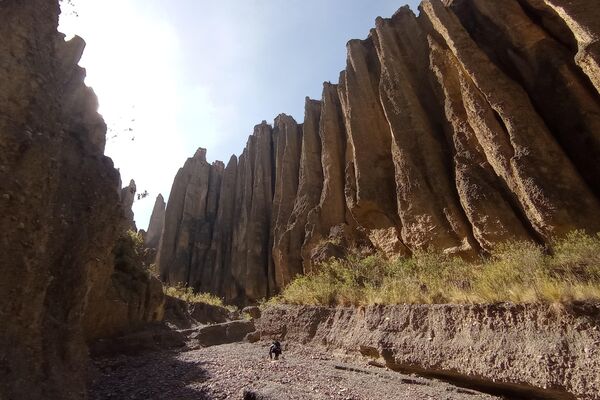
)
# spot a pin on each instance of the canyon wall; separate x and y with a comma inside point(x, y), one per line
point(61, 214)
point(474, 123)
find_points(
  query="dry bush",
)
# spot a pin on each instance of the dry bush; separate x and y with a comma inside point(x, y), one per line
point(519, 272)
point(188, 294)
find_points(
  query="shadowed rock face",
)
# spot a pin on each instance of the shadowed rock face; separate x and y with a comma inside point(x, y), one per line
point(127, 199)
point(187, 230)
point(157, 222)
point(61, 211)
point(474, 123)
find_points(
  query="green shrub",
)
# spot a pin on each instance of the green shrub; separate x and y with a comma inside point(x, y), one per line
point(129, 253)
point(519, 272)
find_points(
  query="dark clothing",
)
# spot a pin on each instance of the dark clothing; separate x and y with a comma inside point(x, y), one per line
point(275, 349)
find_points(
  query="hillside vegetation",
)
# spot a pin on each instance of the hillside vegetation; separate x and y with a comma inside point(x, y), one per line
point(519, 272)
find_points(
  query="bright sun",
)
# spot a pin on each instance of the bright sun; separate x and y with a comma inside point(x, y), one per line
point(132, 64)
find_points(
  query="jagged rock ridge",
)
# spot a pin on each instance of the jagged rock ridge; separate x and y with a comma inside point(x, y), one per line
point(476, 122)
point(62, 215)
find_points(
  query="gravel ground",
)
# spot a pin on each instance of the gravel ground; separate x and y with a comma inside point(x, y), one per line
point(225, 372)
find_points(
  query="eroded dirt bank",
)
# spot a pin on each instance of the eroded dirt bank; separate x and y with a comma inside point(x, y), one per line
point(535, 351)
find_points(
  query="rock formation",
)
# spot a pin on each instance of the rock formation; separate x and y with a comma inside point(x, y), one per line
point(60, 207)
point(184, 234)
point(127, 199)
point(288, 247)
point(157, 222)
point(287, 142)
point(474, 123)
point(123, 297)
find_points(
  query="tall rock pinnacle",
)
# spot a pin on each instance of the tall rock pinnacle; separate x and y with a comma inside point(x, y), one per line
point(157, 222)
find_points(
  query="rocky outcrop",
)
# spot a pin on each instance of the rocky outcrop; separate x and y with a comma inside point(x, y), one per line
point(530, 161)
point(127, 199)
point(127, 298)
point(226, 332)
point(576, 25)
point(157, 222)
point(474, 123)
point(60, 206)
point(527, 351)
point(184, 315)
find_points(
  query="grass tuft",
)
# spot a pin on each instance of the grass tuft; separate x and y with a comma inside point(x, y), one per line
point(519, 272)
point(188, 294)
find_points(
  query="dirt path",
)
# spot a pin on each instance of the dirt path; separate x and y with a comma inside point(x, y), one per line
point(224, 372)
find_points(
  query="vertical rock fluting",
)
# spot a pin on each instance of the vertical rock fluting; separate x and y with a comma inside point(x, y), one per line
point(157, 222)
point(256, 280)
point(542, 65)
point(518, 143)
point(217, 230)
point(217, 275)
point(332, 209)
point(474, 123)
point(240, 215)
point(481, 192)
point(371, 197)
point(288, 248)
point(427, 200)
point(184, 216)
point(287, 140)
point(202, 257)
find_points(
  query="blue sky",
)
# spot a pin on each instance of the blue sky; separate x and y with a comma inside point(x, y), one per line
point(201, 73)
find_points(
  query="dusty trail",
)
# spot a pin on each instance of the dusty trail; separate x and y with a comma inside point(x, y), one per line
point(224, 372)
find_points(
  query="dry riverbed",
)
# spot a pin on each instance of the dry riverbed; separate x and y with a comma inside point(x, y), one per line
point(232, 370)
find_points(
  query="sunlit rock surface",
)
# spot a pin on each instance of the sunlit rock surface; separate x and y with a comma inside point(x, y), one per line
point(473, 123)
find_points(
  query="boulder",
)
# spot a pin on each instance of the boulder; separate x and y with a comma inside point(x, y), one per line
point(252, 311)
point(252, 337)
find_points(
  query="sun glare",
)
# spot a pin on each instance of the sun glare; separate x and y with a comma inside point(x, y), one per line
point(132, 63)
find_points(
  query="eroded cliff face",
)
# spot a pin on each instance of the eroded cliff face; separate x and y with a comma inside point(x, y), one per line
point(60, 211)
point(474, 123)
